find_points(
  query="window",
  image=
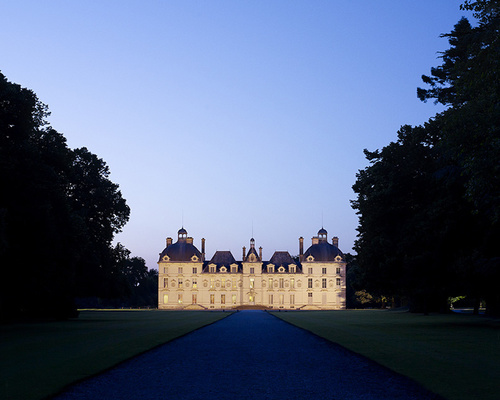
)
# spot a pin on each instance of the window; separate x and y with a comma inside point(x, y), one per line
point(223, 299)
point(310, 283)
point(338, 281)
point(195, 270)
point(252, 270)
point(223, 284)
point(310, 271)
point(212, 283)
point(165, 298)
point(234, 270)
point(195, 298)
point(212, 270)
point(250, 298)
point(179, 270)
point(165, 282)
point(282, 283)
point(180, 283)
point(165, 270)
point(292, 299)
point(212, 298)
point(282, 298)
point(323, 283)
point(292, 283)
point(234, 299)
point(271, 299)
point(323, 270)
point(309, 298)
point(252, 283)
point(270, 270)
point(338, 270)
point(195, 284)
point(179, 298)
point(292, 270)
point(234, 284)
point(270, 283)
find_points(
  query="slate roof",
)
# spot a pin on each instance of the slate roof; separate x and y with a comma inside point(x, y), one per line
point(181, 251)
point(323, 251)
point(223, 257)
point(281, 259)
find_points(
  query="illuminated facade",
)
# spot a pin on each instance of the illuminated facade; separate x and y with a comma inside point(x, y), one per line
point(315, 280)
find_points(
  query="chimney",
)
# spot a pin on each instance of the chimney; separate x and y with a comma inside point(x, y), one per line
point(260, 253)
point(335, 241)
point(189, 240)
point(169, 241)
point(244, 252)
point(203, 249)
point(301, 246)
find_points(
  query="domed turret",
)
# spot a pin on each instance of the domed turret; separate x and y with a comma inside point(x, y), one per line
point(182, 250)
point(321, 250)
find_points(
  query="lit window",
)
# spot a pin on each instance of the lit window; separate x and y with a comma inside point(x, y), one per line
point(309, 283)
point(323, 283)
point(250, 298)
point(252, 270)
point(179, 298)
point(195, 298)
point(212, 283)
point(165, 298)
point(323, 270)
point(292, 283)
point(292, 299)
point(180, 283)
point(223, 283)
point(195, 270)
point(234, 284)
point(179, 270)
point(195, 284)
point(234, 298)
point(338, 281)
point(223, 299)
point(282, 283)
point(338, 270)
point(282, 298)
point(252, 283)
point(270, 283)
point(270, 299)
point(212, 298)
point(165, 282)
point(310, 271)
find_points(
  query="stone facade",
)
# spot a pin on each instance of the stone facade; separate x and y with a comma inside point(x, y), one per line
point(316, 280)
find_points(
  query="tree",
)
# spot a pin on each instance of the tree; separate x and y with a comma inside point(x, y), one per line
point(59, 213)
point(431, 200)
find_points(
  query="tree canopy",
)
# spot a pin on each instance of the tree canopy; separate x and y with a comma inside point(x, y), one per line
point(59, 212)
point(428, 204)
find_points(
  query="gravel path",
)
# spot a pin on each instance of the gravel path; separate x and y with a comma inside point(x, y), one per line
point(248, 355)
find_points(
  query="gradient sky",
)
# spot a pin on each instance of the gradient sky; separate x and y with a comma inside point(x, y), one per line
point(233, 118)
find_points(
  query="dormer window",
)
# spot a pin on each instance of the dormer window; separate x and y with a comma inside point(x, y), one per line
point(166, 258)
point(281, 269)
point(194, 259)
point(310, 258)
point(291, 268)
point(338, 259)
point(270, 269)
point(251, 258)
point(212, 269)
point(234, 269)
point(223, 269)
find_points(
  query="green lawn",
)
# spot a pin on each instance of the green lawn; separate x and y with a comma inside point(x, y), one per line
point(39, 359)
point(456, 355)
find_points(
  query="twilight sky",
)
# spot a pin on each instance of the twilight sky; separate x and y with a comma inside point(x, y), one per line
point(231, 117)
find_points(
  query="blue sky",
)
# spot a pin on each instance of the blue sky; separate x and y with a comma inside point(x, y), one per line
point(231, 117)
